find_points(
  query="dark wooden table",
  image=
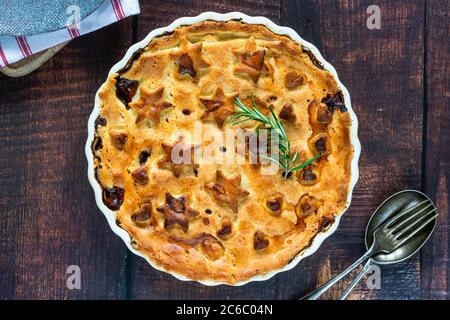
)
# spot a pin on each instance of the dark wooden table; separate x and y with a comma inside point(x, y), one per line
point(398, 78)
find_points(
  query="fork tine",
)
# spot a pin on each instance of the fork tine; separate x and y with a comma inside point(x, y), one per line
point(407, 222)
point(415, 231)
point(412, 224)
point(395, 218)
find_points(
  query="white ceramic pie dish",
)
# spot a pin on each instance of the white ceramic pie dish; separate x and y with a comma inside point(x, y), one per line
point(320, 237)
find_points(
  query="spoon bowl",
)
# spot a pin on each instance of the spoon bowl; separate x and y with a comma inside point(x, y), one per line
point(396, 203)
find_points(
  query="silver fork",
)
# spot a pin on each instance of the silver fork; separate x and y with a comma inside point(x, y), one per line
point(396, 232)
point(387, 237)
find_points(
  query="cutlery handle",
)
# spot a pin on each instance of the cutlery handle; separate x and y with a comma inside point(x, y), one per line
point(358, 278)
point(319, 291)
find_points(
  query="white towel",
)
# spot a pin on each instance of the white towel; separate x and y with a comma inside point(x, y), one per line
point(13, 49)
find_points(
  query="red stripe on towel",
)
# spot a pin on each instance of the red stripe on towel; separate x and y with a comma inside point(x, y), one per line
point(119, 4)
point(76, 31)
point(25, 41)
point(116, 9)
point(70, 32)
point(73, 31)
point(20, 47)
point(3, 57)
point(23, 47)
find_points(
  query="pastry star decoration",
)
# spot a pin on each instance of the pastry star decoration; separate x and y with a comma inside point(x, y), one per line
point(219, 106)
point(251, 60)
point(177, 156)
point(150, 104)
point(176, 212)
point(189, 58)
point(227, 191)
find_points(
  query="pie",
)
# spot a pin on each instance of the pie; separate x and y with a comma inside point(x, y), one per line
point(224, 222)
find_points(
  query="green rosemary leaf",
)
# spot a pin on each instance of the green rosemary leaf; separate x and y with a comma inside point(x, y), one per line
point(307, 163)
point(239, 115)
point(240, 121)
point(285, 160)
point(272, 159)
point(241, 106)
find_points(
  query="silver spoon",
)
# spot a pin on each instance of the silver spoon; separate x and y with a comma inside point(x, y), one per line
point(404, 220)
point(400, 254)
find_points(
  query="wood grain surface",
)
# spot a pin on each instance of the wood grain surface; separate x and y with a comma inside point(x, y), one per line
point(398, 78)
point(435, 280)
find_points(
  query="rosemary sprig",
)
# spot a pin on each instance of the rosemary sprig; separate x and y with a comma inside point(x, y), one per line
point(285, 160)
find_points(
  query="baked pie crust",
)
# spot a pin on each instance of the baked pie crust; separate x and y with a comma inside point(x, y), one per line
point(220, 222)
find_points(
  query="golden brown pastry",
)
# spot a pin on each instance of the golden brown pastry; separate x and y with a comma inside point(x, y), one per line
point(224, 222)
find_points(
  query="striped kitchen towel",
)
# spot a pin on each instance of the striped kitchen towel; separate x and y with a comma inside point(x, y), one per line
point(13, 49)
